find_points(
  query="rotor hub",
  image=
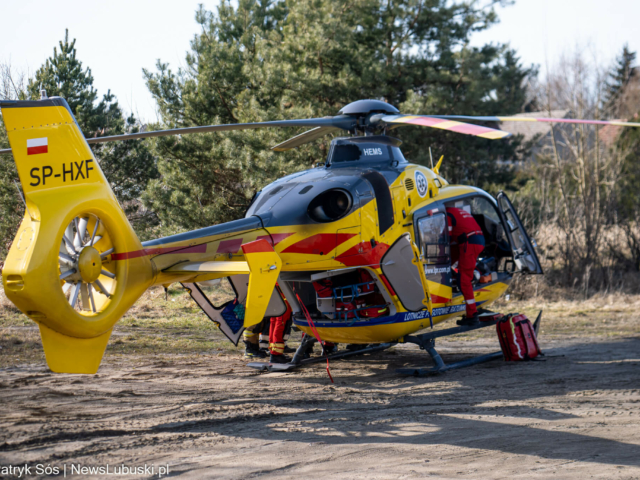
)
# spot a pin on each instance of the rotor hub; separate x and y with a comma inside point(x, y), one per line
point(89, 264)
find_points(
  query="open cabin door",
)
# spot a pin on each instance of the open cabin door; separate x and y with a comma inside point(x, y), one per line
point(399, 264)
point(524, 253)
point(229, 316)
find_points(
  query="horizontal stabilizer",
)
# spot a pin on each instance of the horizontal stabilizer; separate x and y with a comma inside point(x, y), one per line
point(226, 268)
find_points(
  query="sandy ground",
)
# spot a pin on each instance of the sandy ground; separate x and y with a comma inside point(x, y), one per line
point(576, 414)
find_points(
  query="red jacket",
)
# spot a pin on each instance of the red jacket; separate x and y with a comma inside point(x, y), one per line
point(462, 225)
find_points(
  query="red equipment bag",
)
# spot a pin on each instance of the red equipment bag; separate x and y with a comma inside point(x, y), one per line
point(517, 338)
point(345, 310)
point(366, 279)
point(324, 288)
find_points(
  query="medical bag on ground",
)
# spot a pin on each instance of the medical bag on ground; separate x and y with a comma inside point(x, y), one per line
point(517, 338)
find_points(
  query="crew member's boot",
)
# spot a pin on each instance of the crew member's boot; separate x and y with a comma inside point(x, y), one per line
point(469, 321)
point(251, 350)
point(279, 359)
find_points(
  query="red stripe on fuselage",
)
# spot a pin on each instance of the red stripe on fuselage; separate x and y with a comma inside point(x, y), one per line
point(319, 244)
point(225, 246)
point(229, 246)
point(257, 246)
point(159, 251)
point(439, 299)
point(363, 254)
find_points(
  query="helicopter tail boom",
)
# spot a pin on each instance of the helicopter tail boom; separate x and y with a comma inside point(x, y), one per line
point(60, 270)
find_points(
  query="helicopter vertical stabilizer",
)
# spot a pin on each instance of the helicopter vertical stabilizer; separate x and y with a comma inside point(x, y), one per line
point(77, 290)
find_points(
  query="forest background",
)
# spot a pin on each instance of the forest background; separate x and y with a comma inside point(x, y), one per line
point(258, 60)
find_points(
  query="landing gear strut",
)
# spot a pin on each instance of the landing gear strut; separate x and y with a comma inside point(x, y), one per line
point(299, 359)
point(427, 342)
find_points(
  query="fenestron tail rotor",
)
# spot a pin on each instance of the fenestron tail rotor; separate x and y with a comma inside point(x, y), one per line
point(88, 283)
point(77, 290)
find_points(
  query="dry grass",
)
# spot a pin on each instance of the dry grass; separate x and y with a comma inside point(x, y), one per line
point(157, 326)
point(612, 267)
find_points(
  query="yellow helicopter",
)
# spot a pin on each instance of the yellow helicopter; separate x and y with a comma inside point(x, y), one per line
point(358, 246)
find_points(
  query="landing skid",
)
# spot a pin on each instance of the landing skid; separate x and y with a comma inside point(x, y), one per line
point(298, 359)
point(427, 341)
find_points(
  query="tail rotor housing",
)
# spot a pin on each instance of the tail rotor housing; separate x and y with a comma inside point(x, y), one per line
point(77, 290)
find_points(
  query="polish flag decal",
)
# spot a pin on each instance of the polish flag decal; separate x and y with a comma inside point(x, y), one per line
point(37, 145)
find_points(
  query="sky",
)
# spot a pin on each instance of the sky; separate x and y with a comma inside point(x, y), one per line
point(118, 38)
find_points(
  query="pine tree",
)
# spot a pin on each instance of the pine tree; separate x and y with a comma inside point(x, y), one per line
point(268, 59)
point(12, 87)
point(127, 165)
point(625, 103)
point(619, 77)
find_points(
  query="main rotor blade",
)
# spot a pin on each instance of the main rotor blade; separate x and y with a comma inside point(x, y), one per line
point(306, 137)
point(541, 119)
point(444, 124)
point(345, 122)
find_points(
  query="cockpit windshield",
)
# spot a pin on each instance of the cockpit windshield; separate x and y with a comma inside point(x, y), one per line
point(374, 152)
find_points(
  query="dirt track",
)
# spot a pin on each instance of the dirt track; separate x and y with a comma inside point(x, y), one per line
point(574, 415)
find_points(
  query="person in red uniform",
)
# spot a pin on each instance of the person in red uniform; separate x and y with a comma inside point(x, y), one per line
point(276, 334)
point(467, 241)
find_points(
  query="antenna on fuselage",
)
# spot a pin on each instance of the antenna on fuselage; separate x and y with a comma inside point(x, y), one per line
point(431, 156)
point(437, 169)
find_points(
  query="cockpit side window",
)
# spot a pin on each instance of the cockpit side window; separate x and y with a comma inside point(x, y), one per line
point(482, 206)
point(345, 153)
point(486, 215)
point(433, 238)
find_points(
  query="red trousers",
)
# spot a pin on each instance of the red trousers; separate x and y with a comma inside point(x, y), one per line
point(276, 333)
point(466, 265)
